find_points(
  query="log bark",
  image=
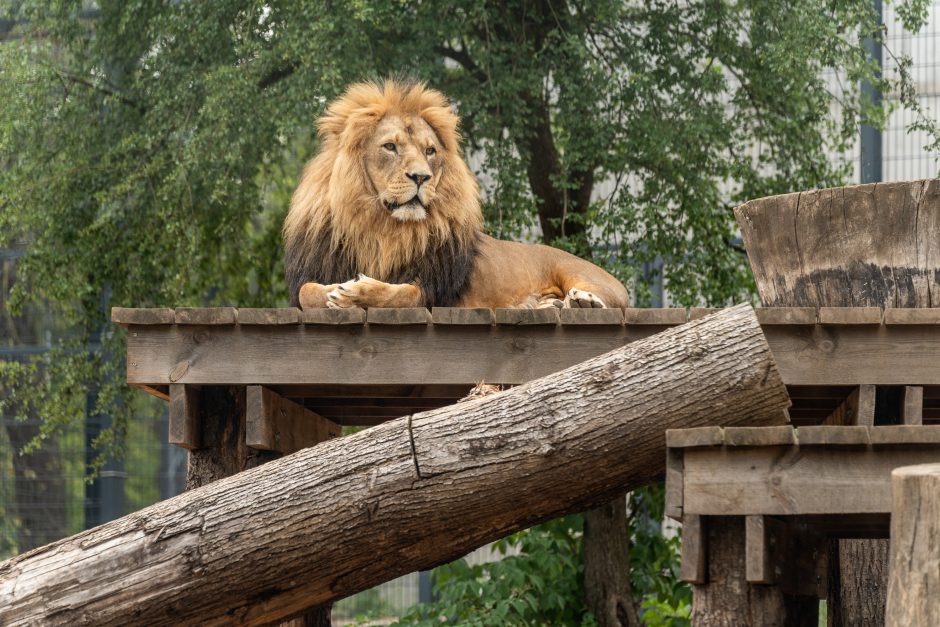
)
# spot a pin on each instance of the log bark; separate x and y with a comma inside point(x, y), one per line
point(606, 542)
point(914, 585)
point(263, 545)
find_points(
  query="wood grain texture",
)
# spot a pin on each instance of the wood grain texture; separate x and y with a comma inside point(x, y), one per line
point(796, 480)
point(666, 317)
point(912, 405)
point(325, 522)
point(912, 316)
point(786, 315)
point(914, 580)
point(125, 316)
point(184, 416)
point(398, 315)
point(350, 316)
point(205, 315)
point(522, 317)
point(693, 563)
point(504, 354)
point(275, 423)
point(849, 315)
point(602, 317)
point(870, 245)
point(463, 315)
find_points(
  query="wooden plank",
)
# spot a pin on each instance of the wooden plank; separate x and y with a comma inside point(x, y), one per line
point(463, 316)
point(674, 483)
point(666, 316)
point(275, 423)
point(403, 355)
point(523, 317)
point(698, 436)
point(350, 316)
point(693, 560)
point(184, 416)
point(697, 313)
point(289, 315)
point(784, 481)
point(764, 549)
point(125, 316)
point(922, 315)
point(786, 315)
point(252, 315)
point(205, 315)
point(905, 434)
point(398, 315)
point(827, 435)
point(849, 315)
point(759, 436)
point(602, 317)
point(912, 405)
point(857, 409)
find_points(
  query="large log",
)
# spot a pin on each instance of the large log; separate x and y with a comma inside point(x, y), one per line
point(870, 245)
point(326, 522)
point(914, 586)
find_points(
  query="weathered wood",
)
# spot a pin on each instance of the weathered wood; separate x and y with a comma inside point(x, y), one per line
point(759, 436)
point(698, 436)
point(693, 564)
point(504, 354)
point(325, 522)
point(606, 554)
point(857, 409)
point(786, 315)
point(602, 317)
point(272, 316)
point(728, 600)
point(463, 315)
point(696, 313)
point(912, 405)
point(125, 316)
point(398, 315)
point(350, 316)
point(656, 317)
point(912, 316)
point(673, 504)
point(856, 594)
point(871, 245)
point(522, 317)
point(826, 435)
point(205, 315)
point(184, 415)
point(849, 315)
point(914, 584)
point(277, 424)
point(764, 549)
point(905, 434)
point(795, 480)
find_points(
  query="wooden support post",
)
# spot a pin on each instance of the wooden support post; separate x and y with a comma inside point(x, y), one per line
point(912, 409)
point(764, 541)
point(184, 415)
point(857, 409)
point(694, 560)
point(914, 587)
point(275, 423)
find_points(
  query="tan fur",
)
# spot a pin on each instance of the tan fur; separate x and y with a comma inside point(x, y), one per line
point(353, 187)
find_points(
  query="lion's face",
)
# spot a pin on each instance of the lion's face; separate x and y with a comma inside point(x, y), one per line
point(403, 162)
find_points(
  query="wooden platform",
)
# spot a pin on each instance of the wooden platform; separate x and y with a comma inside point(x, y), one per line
point(408, 360)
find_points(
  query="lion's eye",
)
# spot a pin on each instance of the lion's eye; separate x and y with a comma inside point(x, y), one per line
point(389, 146)
point(430, 150)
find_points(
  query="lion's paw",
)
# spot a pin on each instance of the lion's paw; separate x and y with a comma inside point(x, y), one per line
point(579, 299)
point(349, 294)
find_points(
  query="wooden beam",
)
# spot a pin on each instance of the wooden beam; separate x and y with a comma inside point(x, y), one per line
point(275, 423)
point(674, 483)
point(912, 408)
point(184, 415)
point(857, 409)
point(503, 354)
point(693, 565)
point(764, 549)
point(796, 480)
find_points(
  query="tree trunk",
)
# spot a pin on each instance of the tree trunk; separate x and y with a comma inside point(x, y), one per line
point(606, 544)
point(328, 521)
point(914, 587)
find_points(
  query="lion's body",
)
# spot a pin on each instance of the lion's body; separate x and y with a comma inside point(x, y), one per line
point(390, 196)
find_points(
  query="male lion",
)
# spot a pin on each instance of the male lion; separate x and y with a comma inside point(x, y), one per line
point(388, 215)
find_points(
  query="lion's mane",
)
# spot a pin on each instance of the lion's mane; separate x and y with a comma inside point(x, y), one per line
point(337, 228)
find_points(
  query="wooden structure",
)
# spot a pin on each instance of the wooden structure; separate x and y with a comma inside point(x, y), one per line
point(266, 544)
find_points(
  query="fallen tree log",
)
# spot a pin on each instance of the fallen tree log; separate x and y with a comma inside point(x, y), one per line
point(914, 579)
point(325, 522)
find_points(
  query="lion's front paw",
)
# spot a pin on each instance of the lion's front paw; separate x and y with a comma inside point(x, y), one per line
point(579, 299)
point(350, 294)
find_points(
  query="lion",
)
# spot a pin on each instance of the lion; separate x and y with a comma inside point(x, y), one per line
point(388, 214)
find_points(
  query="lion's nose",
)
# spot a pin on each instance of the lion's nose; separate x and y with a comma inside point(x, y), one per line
point(418, 177)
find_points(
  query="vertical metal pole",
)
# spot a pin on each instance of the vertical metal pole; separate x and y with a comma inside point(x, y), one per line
point(871, 156)
point(425, 590)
